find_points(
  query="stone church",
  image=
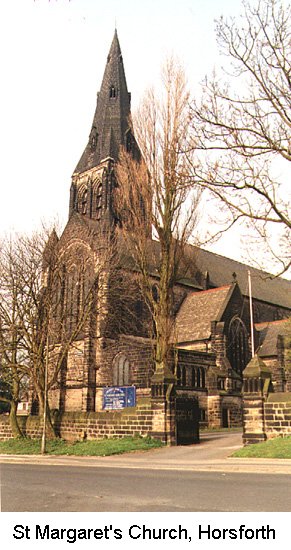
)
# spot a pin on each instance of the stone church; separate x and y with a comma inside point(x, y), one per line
point(114, 352)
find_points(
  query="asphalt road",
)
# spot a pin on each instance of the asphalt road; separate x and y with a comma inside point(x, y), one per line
point(32, 488)
point(174, 479)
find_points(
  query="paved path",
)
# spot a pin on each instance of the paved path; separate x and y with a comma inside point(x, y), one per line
point(211, 455)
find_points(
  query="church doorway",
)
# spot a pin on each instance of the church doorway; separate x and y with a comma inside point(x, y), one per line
point(225, 423)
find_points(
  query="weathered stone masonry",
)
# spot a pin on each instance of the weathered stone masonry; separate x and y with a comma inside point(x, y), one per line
point(211, 336)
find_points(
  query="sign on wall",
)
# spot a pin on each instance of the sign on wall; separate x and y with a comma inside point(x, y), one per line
point(119, 397)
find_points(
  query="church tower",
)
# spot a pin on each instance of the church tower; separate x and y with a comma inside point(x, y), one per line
point(93, 179)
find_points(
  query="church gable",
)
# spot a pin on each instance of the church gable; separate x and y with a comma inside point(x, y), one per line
point(198, 311)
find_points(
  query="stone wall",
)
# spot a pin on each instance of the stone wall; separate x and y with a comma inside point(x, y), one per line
point(135, 421)
point(278, 415)
point(267, 418)
point(73, 426)
point(29, 424)
point(151, 416)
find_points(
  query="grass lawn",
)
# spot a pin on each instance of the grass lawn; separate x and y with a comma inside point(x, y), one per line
point(280, 447)
point(104, 447)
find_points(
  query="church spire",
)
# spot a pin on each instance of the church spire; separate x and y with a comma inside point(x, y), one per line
point(110, 123)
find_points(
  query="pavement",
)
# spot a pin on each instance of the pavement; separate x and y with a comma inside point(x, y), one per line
point(212, 454)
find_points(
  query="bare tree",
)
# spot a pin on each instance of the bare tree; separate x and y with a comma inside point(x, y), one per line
point(5, 391)
point(48, 302)
point(13, 365)
point(155, 195)
point(241, 126)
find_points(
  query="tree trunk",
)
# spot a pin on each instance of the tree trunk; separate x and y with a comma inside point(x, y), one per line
point(50, 431)
point(16, 431)
point(15, 428)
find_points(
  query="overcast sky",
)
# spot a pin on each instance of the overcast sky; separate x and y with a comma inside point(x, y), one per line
point(53, 57)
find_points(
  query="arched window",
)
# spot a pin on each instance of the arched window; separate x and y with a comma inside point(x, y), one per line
point(97, 193)
point(220, 383)
point(128, 141)
point(71, 298)
point(93, 138)
point(181, 375)
point(57, 301)
point(94, 142)
point(200, 383)
point(82, 202)
point(202, 377)
point(121, 370)
point(198, 379)
point(238, 345)
point(88, 285)
point(178, 375)
point(112, 92)
point(184, 378)
point(98, 201)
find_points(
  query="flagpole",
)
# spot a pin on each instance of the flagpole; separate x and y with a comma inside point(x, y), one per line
point(251, 314)
point(43, 439)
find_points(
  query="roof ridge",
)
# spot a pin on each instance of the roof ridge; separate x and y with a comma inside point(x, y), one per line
point(273, 322)
point(247, 266)
point(209, 290)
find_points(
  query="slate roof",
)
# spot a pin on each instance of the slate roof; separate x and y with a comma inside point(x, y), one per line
point(193, 321)
point(268, 336)
point(220, 271)
point(110, 122)
point(274, 291)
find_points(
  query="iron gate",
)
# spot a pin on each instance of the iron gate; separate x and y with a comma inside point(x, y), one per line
point(187, 421)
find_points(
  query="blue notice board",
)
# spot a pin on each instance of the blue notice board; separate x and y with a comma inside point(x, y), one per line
point(119, 397)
